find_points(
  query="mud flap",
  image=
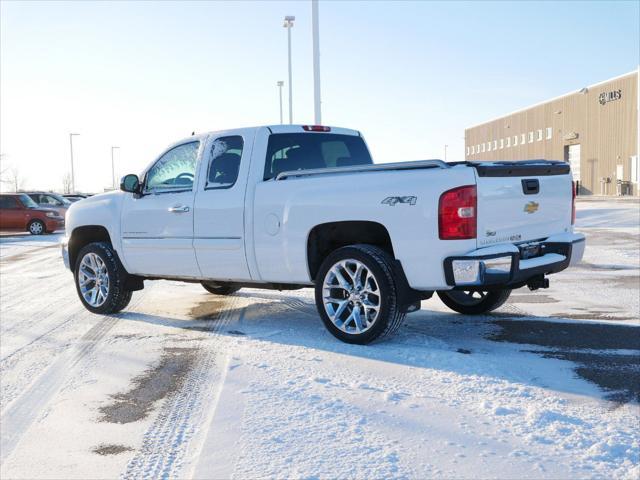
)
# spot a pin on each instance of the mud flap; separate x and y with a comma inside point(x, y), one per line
point(408, 298)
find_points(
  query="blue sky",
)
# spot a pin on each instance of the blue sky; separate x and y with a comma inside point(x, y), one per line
point(410, 75)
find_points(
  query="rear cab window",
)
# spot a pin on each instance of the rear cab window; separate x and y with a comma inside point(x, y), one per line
point(306, 151)
point(226, 153)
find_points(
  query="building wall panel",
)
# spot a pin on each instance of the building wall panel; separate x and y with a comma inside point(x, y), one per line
point(607, 132)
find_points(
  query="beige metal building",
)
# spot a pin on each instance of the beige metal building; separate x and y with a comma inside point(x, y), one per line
point(595, 129)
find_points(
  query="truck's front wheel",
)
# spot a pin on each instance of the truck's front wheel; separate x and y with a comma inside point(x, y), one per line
point(356, 294)
point(99, 278)
point(474, 302)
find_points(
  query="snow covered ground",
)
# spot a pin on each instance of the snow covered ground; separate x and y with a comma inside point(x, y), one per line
point(187, 384)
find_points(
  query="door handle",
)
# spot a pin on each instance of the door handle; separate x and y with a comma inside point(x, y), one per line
point(178, 209)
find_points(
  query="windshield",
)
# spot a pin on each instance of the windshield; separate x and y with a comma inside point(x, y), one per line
point(303, 151)
point(65, 201)
point(27, 202)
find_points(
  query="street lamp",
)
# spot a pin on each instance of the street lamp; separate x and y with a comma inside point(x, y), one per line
point(288, 23)
point(113, 169)
point(316, 62)
point(73, 178)
point(280, 84)
point(445, 152)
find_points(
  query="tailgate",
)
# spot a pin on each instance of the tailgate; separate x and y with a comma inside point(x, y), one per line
point(521, 201)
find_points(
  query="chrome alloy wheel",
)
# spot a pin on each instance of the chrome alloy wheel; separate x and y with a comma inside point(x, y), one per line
point(93, 280)
point(36, 228)
point(351, 296)
point(467, 298)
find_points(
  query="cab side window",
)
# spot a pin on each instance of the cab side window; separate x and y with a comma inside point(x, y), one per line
point(175, 170)
point(49, 200)
point(8, 202)
point(224, 165)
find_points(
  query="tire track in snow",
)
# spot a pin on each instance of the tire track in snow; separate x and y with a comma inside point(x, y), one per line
point(70, 311)
point(24, 291)
point(512, 309)
point(18, 289)
point(29, 258)
point(301, 306)
point(167, 441)
point(18, 416)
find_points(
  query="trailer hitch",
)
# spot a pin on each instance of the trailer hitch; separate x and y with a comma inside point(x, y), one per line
point(539, 281)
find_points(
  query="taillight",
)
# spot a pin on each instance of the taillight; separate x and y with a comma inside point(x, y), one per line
point(573, 203)
point(457, 213)
point(316, 128)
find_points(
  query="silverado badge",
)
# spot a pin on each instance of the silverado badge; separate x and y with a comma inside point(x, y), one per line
point(531, 207)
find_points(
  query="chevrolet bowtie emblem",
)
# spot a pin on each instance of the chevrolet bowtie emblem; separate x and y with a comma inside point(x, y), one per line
point(531, 207)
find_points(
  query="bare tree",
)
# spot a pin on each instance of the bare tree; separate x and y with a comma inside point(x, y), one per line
point(4, 169)
point(66, 183)
point(11, 176)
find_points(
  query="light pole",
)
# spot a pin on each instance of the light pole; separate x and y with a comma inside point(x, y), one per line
point(288, 24)
point(445, 152)
point(280, 84)
point(113, 169)
point(316, 62)
point(73, 177)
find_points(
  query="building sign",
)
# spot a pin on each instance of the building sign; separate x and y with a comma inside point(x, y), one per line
point(606, 97)
point(571, 136)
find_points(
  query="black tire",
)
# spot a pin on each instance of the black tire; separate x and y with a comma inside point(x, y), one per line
point(473, 303)
point(218, 289)
point(380, 264)
point(117, 297)
point(125, 299)
point(37, 227)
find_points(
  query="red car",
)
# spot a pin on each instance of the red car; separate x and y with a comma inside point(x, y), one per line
point(19, 212)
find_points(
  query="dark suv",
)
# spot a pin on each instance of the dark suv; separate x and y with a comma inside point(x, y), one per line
point(19, 212)
point(51, 200)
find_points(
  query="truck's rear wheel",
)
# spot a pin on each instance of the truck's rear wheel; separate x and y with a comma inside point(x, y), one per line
point(473, 302)
point(356, 294)
point(219, 289)
point(99, 278)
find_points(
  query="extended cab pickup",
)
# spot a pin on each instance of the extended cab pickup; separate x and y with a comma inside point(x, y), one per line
point(293, 206)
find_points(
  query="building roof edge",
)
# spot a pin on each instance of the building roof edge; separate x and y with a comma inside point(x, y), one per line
point(633, 72)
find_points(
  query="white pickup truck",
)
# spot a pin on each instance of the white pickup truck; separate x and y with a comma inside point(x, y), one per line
point(293, 206)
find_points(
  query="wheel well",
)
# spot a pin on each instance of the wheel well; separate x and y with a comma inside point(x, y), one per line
point(85, 235)
point(327, 237)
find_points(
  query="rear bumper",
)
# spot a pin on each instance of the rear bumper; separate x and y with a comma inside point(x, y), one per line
point(502, 266)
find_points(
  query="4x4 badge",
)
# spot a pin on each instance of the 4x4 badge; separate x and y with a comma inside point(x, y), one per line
point(531, 207)
point(393, 200)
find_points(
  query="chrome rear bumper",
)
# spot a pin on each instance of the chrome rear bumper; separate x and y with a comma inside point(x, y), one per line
point(506, 266)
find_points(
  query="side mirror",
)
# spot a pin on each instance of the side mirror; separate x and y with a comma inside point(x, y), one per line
point(130, 183)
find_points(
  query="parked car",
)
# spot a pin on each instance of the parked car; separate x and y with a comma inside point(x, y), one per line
point(73, 198)
point(19, 212)
point(51, 200)
point(288, 206)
